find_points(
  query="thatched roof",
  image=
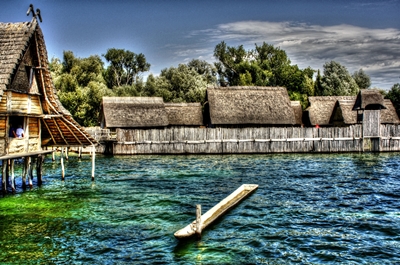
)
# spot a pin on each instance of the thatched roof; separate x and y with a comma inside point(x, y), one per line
point(389, 114)
point(369, 99)
point(298, 111)
point(184, 113)
point(343, 113)
point(16, 39)
point(250, 105)
point(134, 112)
point(321, 108)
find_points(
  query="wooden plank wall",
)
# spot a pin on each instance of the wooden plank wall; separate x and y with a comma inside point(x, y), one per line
point(182, 140)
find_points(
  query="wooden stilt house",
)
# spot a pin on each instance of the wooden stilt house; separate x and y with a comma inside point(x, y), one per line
point(28, 98)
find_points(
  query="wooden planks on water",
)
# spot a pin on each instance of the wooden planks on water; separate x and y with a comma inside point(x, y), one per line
point(215, 212)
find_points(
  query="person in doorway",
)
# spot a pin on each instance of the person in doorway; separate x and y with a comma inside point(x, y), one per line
point(12, 132)
point(19, 132)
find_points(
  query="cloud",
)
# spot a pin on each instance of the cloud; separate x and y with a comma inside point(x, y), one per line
point(376, 51)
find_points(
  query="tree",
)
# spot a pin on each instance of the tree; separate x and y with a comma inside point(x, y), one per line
point(394, 96)
point(125, 67)
point(362, 79)
point(337, 81)
point(205, 69)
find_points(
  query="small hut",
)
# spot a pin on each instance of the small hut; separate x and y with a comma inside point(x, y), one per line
point(320, 110)
point(368, 104)
point(344, 115)
point(133, 112)
point(244, 106)
point(184, 114)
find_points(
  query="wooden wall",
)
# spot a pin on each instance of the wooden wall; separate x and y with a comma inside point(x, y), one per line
point(181, 140)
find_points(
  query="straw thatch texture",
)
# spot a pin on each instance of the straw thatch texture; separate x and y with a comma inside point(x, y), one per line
point(250, 105)
point(389, 114)
point(298, 112)
point(321, 108)
point(343, 113)
point(134, 112)
point(369, 99)
point(25, 41)
point(14, 40)
point(184, 113)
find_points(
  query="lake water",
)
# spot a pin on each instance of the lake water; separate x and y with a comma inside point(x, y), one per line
point(308, 209)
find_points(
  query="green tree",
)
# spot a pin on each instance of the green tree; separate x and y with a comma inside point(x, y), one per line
point(394, 96)
point(125, 67)
point(337, 81)
point(362, 79)
point(207, 70)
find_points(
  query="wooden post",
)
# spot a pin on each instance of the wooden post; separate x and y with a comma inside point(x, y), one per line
point(8, 172)
point(198, 221)
point(24, 172)
point(11, 161)
point(66, 153)
point(30, 172)
point(62, 164)
point(93, 160)
point(4, 176)
point(39, 172)
point(53, 154)
point(80, 152)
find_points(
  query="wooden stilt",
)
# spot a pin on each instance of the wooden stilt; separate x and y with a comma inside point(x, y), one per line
point(39, 171)
point(4, 176)
point(30, 172)
point(12, 175)
point(198, 221)
point(25, 172)
point(93, 160)
point(54, 154)
point(66, 153)
point(62, 164)
point(8, 172)
point(80, 152)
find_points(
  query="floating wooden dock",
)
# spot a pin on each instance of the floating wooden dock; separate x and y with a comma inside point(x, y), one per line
point(215, 212)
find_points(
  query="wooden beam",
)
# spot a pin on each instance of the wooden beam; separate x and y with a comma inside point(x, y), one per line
point(93, 160)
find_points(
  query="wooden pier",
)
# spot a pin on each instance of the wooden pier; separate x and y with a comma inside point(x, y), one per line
point(30, 159)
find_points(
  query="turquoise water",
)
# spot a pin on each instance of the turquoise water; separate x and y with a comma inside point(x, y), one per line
point(308, 209)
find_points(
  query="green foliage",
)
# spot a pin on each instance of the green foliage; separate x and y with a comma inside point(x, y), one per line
point(337, 81)
point(394, 96)
point(125, 67)
point(362, 79)
point(264, 66)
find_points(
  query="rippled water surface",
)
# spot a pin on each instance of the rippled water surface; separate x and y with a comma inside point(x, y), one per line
point(308, 209)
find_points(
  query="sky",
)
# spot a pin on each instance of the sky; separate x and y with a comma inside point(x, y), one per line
point(359, 34)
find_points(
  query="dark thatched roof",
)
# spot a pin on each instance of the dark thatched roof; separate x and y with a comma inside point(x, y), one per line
point(369, 99)
point(389, 114)
point(250, 105)
point(134, 112)
point(17, 40)
point(298, 111)
point(321, 108)
point(184, 113)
